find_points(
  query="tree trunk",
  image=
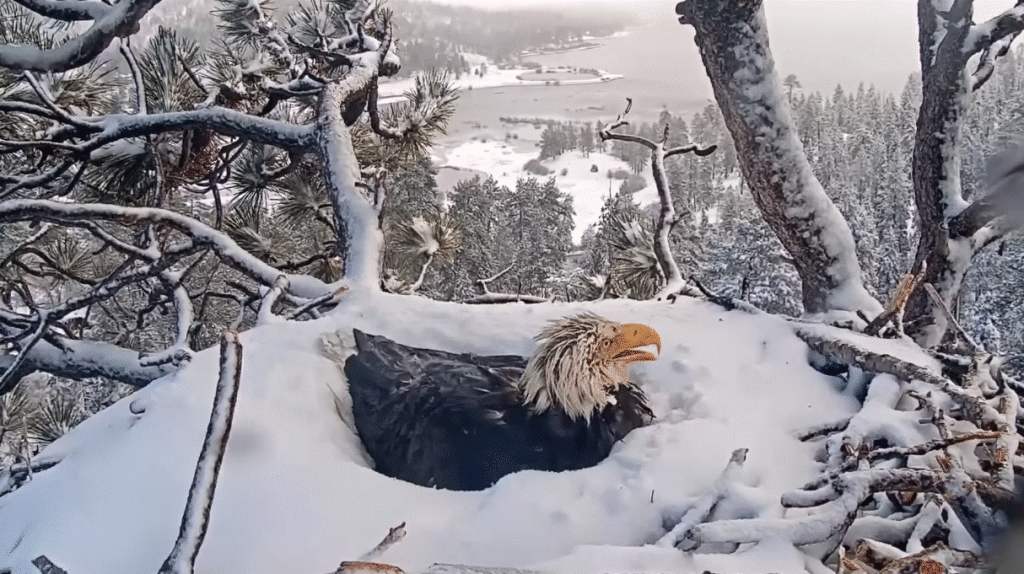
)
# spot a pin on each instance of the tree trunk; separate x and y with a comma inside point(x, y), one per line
point(360, 239)
point(936, 167)
point(666, 219)
point(733, 41)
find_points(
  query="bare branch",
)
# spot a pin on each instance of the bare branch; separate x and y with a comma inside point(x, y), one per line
point(194, 521)
point(482, 283)
point(985, 35)
point(395, 535)
point(133, 66)
point(694, 149)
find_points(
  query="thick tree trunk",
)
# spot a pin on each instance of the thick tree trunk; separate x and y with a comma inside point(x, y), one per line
point(936, 166)
point(952, 230)
point(733, 40)
point(360, 238)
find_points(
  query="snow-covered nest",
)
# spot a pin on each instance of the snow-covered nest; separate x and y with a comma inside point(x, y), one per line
point(296, 494)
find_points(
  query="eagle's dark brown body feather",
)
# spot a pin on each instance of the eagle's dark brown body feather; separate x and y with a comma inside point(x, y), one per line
point(460, 421)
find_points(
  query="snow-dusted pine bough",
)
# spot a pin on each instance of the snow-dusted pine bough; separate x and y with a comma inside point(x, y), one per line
point(92, 198)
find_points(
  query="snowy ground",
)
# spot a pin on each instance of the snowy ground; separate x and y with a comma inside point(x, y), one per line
point(296, 495)
point(493, 78)
point(588, 189)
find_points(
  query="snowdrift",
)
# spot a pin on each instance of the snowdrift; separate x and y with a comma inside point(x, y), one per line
point(296, 493)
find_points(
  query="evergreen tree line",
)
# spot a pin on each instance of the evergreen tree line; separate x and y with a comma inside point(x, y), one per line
point(525, 232)
point(859, 144)
point(433, 35)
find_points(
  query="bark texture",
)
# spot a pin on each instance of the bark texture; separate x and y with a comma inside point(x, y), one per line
point(733, 41)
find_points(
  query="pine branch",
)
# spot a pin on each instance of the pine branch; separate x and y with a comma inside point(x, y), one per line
point(108, 129)
point(201, 235)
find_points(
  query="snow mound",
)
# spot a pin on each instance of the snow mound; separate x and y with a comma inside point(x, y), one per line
point(296, 493)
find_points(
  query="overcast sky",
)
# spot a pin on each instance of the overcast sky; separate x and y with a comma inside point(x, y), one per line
point(983, 8)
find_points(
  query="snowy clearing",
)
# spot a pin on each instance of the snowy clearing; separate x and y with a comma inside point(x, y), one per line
point(295, 493)
point(588, 189)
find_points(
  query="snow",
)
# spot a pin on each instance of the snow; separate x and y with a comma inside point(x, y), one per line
point(391, 92)
point(296, 494)
point(588, 189)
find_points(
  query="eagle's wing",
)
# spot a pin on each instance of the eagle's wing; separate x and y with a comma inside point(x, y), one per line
point(561, 443)
point(435, 418)
point(628, 412)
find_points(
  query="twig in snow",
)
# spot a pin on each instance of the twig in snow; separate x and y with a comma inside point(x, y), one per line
point(315, 303)
point(12, 477)
point(395, 535)
point(897, 307)
point(937, 299)
point(46, 567)
point(194, 521)
point(823, 430)
point(702, 510)
point(266, 312)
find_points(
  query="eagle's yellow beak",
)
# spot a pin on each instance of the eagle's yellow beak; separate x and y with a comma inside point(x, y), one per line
point(624, 347)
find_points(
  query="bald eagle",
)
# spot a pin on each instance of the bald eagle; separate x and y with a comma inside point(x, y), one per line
point(463, 421)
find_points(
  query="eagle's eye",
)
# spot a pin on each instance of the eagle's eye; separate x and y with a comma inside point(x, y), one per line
point(606, 343)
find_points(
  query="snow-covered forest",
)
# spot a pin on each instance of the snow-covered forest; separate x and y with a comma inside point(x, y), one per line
point(195, 217)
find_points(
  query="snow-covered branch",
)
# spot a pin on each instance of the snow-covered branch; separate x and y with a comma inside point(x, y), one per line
point(67, 10)
point(995, 30)
point(667, 218)
point(702, 509)
point(202, 235)
point(830, 523)
point(104, 130)
point(108, 23)
point(74, 359)
point(194, 521)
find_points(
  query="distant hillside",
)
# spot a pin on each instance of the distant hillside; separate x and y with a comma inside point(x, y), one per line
point(431, 35)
